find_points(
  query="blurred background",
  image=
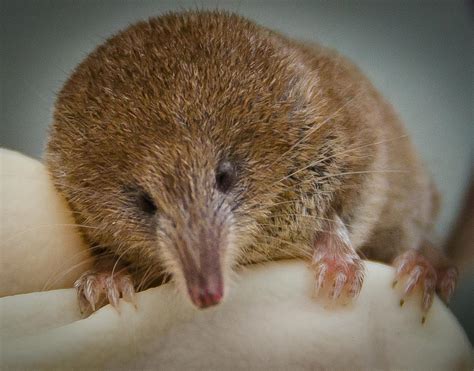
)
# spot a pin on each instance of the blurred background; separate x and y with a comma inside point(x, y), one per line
point(418, 53)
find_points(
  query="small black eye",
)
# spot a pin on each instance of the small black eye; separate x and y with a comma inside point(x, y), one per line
point(145, 203)
point(225, 176)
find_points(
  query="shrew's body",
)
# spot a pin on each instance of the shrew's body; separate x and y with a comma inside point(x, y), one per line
point(195, 142)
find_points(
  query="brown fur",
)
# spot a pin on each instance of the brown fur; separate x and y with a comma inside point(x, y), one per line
point(159, 106)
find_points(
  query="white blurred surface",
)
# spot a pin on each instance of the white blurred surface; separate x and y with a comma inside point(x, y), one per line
point(40, 248)
point(269, 321)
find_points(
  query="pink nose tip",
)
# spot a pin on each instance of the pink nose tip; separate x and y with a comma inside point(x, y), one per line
point(206, 296)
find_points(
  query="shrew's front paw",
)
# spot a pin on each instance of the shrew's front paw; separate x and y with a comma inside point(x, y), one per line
point(417, 270)
point(96, 287)
point(337, 274)
point(338, 270)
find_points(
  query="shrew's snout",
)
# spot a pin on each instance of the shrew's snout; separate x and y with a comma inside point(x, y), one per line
point(208, 291)
point(203, 275)
point(198, 231)
point(201, 240)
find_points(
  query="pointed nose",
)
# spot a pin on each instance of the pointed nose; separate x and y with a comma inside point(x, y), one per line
point(205, 295)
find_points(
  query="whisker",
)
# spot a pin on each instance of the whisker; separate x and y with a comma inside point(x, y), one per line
point(298, 247)
point(72, 258)
point(145, 277)
point(334, 155)
point(50, 282)
point(118, 259)
point(320, 160)
point(309, 216)
point(314, 129)
point(363, 172)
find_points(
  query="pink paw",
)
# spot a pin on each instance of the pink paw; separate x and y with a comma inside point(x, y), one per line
point(447, 279)
point(417, 271)
point(338, 274)
point(94, 288)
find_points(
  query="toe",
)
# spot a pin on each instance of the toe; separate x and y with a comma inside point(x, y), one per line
point(403, 265)
point(413, 279)
point(112, 291)
point(91, 290)
point(321, 272)
point(127, 289)
point(356, 285)
point(339, 282)
point(428, 294)
point(84, 304)
point(88, 292)
point(447, 283)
